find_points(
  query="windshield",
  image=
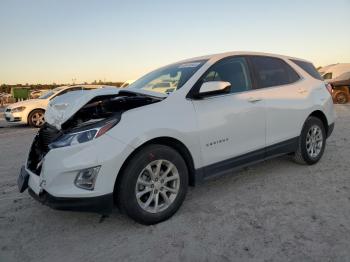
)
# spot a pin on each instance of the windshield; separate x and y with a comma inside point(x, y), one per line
point(50, 93)
point(168, 79)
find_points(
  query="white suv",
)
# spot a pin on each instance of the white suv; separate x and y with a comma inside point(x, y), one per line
point(141, 149)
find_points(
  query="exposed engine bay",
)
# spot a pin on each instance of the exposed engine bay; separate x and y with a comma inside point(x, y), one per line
point(95, 113)
point(103, 107)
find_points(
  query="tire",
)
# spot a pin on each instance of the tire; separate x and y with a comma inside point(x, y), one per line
point(36, 118)
point(137, 179)
point(309, 149)
point(341, 97)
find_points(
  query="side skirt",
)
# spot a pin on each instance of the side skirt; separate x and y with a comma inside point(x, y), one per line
point(223, 167)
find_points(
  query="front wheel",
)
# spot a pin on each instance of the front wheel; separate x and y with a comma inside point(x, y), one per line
point(312, 142)
point(36, 118)
point(153, 185)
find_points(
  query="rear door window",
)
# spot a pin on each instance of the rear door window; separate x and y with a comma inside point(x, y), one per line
point(271, 71)
point(309, 68)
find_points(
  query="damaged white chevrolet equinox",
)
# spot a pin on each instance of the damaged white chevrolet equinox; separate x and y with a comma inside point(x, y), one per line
point(184, 123)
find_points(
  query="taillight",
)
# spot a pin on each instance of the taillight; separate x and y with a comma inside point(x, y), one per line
point(329, 87)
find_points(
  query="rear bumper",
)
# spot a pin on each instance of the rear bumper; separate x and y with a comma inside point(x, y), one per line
point(100, 204)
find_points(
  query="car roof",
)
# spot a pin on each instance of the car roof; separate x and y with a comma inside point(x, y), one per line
point(234, 53)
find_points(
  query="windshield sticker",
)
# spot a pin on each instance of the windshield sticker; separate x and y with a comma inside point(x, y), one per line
point(189, 65)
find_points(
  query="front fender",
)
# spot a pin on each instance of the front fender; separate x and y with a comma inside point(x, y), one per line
point(143, 124)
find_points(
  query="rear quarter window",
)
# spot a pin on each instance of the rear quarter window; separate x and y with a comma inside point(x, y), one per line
point(308, 68)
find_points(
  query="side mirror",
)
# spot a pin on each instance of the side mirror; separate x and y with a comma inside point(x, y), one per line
point(214, 88)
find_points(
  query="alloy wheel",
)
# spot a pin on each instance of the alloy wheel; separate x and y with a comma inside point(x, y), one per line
point(38, 119)
point(314, 141)
point(157, 186)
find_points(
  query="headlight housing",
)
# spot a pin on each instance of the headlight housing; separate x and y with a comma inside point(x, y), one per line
point(85, 134)
point(18, 109)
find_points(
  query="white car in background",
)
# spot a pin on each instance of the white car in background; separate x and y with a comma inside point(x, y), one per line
point(141, 149)
point(32, 111)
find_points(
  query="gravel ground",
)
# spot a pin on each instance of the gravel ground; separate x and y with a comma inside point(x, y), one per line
point(272, 211)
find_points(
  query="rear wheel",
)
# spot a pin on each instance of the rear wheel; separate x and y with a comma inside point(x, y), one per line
point(312, 142)
point(153, 185)
point(36, 118)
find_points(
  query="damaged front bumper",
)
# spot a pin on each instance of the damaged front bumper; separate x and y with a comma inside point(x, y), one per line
point(53, 184)
point(100, 204)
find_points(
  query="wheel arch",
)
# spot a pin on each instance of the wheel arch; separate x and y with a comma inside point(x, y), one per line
point(167, 141)
point(31, 111)
point(320, 115)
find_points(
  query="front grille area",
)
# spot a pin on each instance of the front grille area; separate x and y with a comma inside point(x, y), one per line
point(40, 147)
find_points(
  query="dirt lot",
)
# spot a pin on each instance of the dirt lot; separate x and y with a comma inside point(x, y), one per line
point(273, 211)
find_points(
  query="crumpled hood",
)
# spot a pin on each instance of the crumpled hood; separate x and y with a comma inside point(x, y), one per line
point(63, 107)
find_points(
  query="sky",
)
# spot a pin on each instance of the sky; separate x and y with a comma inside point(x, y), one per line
point(58, 41)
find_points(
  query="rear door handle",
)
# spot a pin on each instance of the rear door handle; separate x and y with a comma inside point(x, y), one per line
point(302, 91)
point(253, 99)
